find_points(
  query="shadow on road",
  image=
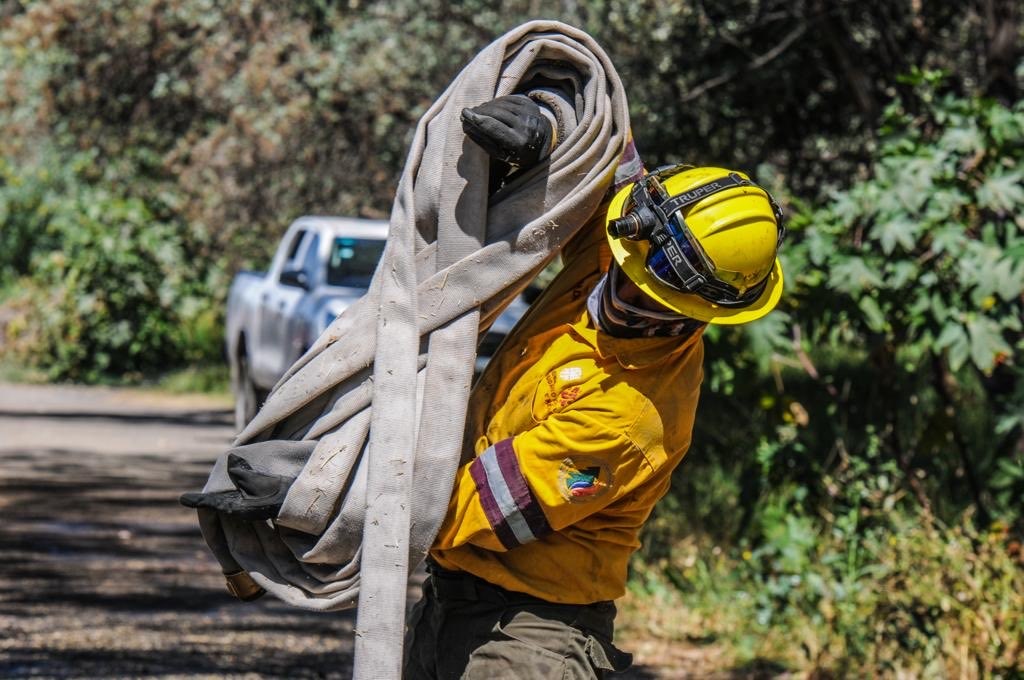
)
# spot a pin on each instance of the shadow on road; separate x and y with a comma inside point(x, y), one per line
point(145, 418)
point(103, 574)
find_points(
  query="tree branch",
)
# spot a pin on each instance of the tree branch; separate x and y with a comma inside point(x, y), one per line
point(755, 64)
point(806, 363)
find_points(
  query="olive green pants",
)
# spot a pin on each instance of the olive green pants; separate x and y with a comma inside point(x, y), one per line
point(464, 627)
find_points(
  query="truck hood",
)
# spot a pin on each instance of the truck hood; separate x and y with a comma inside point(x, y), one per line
point(331, 302)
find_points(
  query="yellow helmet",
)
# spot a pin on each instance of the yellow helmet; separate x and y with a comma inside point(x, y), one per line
point(703, 242)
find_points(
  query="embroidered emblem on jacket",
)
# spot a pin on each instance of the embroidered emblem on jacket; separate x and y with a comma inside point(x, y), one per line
point(555, 398)
point(583, 478)
point(568, 395)
point(570, 373)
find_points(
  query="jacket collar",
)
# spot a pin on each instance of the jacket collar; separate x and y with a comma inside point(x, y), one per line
point(632, 353)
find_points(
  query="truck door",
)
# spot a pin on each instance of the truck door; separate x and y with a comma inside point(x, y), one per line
point(294, 333)
point(276, 303)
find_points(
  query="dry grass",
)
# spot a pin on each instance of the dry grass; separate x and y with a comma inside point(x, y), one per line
point(924, 601)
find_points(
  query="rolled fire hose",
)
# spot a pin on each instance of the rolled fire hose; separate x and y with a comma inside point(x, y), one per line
point(371, 418)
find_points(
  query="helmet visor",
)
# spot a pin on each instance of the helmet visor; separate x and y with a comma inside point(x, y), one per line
point(698, 257)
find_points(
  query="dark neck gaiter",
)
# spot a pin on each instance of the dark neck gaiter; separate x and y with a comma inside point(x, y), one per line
point(618, 318)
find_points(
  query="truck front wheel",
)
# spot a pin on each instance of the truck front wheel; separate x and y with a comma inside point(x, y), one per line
point(247, 400)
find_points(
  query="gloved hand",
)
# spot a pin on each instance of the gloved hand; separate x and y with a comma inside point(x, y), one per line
point(510, 129)
point(259, 495)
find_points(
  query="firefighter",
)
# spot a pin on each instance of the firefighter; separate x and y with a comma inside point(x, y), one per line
point(577, 423)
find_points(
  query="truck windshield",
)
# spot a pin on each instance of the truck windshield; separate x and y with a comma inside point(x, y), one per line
point(353, 261)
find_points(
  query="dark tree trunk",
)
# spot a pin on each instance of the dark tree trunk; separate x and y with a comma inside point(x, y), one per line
point(1002, 49)
point(835, 32)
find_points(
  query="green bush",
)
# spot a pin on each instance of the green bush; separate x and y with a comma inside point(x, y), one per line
point(912, 597)
point(859, 456)
point(103, 286)
point(919, 269)
point(868, 585)
point(901, 323)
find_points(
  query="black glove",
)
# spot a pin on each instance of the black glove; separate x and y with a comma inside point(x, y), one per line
point(510, 129)
point(259, 494)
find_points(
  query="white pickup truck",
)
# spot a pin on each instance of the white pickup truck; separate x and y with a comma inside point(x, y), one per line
point(322, 265)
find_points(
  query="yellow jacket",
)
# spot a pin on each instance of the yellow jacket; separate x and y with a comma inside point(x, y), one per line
point(574, 437)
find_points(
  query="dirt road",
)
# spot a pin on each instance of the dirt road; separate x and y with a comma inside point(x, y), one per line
point(103, 574)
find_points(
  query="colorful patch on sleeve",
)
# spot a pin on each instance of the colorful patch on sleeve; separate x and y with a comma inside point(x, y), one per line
point(511, 508)
point(583, 478)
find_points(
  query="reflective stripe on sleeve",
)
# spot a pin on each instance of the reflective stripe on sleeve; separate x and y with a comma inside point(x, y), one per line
point(508, 503)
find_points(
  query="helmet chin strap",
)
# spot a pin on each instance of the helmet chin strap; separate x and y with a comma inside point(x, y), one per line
point(620, 318)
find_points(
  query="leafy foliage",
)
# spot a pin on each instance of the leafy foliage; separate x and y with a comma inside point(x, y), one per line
point(881, 427)
point(232, 118)
point(899, 595)
point(902, 317)
point(930, 248)
point(937, 234)
point(111, 289)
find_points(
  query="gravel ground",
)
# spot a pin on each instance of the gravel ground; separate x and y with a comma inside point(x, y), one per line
point(103, 574)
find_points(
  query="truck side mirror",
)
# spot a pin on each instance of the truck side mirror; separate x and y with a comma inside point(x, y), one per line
point(296, 278)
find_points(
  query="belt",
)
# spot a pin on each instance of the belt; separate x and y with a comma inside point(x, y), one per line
point(448, 586)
